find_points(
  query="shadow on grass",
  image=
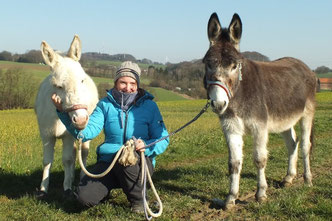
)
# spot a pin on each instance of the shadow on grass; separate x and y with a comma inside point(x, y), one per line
point(175, 184)
point(15, 186)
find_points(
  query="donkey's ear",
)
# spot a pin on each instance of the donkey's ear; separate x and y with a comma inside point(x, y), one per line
point(235, 30)
point(214, 28)
point(49, 56)
point(75, 49)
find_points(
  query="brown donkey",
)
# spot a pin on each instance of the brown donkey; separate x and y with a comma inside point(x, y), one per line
point(258, 97)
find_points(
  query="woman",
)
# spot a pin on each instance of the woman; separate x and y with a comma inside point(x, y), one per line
point(127, 111)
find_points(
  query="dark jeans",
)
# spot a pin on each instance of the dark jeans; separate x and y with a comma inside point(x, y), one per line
point(92, 191)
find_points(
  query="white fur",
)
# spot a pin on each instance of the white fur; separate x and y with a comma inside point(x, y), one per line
point(235, 128)
point(218, 98)
point(69, 81)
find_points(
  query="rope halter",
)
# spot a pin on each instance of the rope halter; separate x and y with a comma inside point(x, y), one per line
point(223, 85)
point(76, 107)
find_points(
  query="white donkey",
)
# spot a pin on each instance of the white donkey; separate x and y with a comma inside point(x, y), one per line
point(79, 96)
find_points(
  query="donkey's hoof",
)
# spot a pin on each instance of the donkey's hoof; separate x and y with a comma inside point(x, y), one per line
point(285, 183)
point(39, 194)
point(308, 182)
point(261, 199)
point(68, 194)
point(222, 204)
point(228, 206)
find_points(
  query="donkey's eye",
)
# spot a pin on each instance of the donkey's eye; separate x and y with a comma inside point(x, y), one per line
point(82, 81)
point(234, 66)
point(58, 86)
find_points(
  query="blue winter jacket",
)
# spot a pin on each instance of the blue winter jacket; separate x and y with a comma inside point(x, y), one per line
point(142, 120)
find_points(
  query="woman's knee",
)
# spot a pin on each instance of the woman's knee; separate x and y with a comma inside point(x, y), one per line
point(91, 194)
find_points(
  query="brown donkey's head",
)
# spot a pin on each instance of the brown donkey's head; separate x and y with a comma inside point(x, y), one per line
point(223, 62)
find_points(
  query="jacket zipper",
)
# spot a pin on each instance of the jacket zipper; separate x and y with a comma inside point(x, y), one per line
point(125, 127)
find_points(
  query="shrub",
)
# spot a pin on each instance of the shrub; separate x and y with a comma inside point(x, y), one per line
point(16, 89)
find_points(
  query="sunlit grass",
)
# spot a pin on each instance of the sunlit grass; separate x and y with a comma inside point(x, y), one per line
point(192, 171)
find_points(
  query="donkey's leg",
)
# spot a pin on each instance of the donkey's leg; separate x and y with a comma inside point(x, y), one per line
point(260, 158)
point(68, 161)
point(235, 144)
point(306, 126)
point(292, 146)
point(48, 152)
point(85, 152)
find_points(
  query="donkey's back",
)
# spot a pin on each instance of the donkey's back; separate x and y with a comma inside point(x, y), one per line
point(283, 91)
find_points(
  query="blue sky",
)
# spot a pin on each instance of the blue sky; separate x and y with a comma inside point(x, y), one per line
point(169, 31)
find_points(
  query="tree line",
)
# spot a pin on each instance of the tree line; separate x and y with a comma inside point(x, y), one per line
point(184, 77)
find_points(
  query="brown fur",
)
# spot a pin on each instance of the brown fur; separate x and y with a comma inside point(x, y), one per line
point(270, 97)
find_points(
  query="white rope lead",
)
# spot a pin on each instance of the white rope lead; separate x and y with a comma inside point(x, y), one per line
point(145, 173)
point(96, 175)
point(149, 214)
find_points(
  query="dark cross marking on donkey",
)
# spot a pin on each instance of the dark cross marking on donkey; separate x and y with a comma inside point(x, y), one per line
point(258, 97)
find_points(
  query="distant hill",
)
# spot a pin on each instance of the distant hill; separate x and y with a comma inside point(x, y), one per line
point(195, 68)
point(107, 57)
point(95, 56)
point(186, 77)
point(253, 55)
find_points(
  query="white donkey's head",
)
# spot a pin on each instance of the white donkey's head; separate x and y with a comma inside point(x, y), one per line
point(76, 89)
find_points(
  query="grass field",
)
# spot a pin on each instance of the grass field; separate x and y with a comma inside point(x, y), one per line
point(38, 70)
point(164, 95)
point(326, 75)
point(191, 173)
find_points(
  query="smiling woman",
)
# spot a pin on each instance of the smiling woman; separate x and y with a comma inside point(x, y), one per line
point(127, 113)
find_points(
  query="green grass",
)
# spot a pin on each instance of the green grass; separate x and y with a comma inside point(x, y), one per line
point(38, 70)
point(191, 173)
point(326, 75)
point(161, 94)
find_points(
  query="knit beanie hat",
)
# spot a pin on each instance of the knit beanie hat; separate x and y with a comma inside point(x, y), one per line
point(128, 69)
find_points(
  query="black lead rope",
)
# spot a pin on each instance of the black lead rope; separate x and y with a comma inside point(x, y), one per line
point(184, 126)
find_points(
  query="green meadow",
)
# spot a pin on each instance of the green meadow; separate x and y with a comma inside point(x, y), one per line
point(188, 176)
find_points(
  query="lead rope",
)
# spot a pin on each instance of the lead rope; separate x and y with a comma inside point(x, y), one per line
point(145, 171)
point(147, 210)
point(149, 214)
point(96, 175)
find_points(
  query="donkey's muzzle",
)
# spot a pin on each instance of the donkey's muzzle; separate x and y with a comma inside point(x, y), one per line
point(79, 116)
point(80, 121)
point(218, 106)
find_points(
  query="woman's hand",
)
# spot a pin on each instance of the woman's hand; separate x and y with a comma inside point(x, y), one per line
point(140, 145)
point(57, 102)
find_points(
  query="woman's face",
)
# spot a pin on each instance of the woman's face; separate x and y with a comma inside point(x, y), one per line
point(126, 85)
